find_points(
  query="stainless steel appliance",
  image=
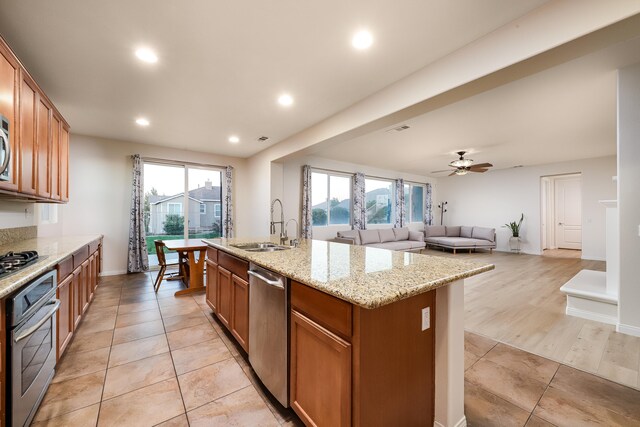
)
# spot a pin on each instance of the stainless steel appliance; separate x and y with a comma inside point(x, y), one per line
point(269, 330)
point(5, 149)
point(31, 347)
point(14, 261)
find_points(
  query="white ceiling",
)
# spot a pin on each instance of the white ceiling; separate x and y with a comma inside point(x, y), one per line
point(223, 63)
point(564, 113)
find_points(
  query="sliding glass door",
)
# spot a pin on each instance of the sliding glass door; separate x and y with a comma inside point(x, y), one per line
point(181, 201)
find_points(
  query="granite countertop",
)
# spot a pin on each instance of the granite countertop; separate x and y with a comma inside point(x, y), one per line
point(52, 250)
point(368, 277)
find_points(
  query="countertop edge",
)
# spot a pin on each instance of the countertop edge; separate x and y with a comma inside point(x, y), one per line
point(416, 290)
point(47, 264)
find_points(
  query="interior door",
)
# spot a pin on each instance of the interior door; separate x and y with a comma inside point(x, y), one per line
point(568, 212)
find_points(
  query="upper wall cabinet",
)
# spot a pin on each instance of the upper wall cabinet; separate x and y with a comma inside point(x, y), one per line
point(38, 134)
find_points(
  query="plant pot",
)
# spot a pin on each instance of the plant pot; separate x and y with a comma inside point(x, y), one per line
point(514, 244)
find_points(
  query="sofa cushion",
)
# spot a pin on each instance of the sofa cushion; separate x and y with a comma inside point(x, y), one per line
point(434, 240)
point(481, 243)
point(416, 236)
point(386, 235)
point(484, 233)
point(416, 244)
point(458, 242)
point(369, 236)
point(350, 234)
point(392, 246)
point(401, 233)
point(453, 231)
point(466, 231)
point(435, 231)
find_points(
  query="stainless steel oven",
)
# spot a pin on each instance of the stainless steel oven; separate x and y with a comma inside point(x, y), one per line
point(31, 353)
point(5, 149)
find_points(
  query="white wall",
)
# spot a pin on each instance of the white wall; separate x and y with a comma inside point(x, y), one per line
point(500, 196)
point(629, 198)
point(292, 188)
point(16, 214)
point(100, 191)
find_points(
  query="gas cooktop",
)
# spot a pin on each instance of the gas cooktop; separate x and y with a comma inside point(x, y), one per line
point(12, 262)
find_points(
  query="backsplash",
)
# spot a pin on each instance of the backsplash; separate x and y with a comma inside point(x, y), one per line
point(10, 235)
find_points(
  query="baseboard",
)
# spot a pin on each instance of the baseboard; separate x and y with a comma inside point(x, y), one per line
point(113, 273)
point(592, 258)
point(461, 423)
point(570, 311)
point(628, 329)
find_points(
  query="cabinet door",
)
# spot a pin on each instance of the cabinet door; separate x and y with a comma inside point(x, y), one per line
point(78, 296)
point(212, 285)
point(43, 138)
point(224, 296)
point(55, 157)
point(28, 133)
point(9, 86)
point(64, 163)
point(64, 316)
point(86, 284)
point(240, 311)
point(320, 374)
point(94, 271)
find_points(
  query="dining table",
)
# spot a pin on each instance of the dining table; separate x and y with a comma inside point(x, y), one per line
point(193, 267)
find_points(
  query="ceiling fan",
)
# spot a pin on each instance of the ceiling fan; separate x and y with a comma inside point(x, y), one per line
point(463, 166)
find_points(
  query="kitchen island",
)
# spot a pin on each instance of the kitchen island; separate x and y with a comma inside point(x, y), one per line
point(376, 336)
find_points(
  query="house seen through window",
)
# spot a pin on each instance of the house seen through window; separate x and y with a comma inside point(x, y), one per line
point(379, 201)
point(330, 199)
point(414, 202)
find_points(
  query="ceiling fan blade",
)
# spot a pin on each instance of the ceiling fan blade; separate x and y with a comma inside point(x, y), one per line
point(478, 170)
point(445, 170)
point(452, 173)
point(482, 165)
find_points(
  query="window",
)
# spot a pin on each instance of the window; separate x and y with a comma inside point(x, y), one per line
point(378, 200)
point(203, 209)
point(217, 210)
point(414, 202)
point(330, 199)
point(174, 208)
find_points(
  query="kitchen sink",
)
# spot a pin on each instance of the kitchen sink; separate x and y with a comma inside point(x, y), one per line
point(260, 247)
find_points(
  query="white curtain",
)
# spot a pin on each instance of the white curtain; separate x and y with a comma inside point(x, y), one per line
point(138, 256)
point(428, 210)
point(307, 215)
point(359, 202)
point(227, 203)
point(399, 203)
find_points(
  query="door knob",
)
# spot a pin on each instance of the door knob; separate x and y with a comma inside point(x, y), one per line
point(560, 223)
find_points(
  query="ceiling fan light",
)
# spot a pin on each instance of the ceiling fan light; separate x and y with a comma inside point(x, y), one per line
point(461, 163)
point(461, 172)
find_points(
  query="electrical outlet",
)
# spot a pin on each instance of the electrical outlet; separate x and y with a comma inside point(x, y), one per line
point(426, 318)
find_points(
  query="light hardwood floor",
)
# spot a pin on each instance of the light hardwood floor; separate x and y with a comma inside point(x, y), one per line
point(519, 303)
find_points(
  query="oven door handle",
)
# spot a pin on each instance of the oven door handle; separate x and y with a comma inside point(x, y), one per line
point(31, 330)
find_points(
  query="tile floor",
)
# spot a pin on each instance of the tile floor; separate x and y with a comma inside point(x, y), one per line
point(143, 360)
point(132, 363)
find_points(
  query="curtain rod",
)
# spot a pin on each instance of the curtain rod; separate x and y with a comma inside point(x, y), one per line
point(179, 162)
point(366, 175)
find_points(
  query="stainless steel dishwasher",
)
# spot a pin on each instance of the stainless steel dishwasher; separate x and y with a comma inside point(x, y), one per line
point(269, 330)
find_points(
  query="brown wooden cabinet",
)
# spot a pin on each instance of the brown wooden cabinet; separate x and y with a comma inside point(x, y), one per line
point(64, 317)
point(224, 296)
point(38, 135)
point(86, 284)
point(9, 88)
point(240, 311)
point(78, 296)
point(212, 285)
point(28, 181)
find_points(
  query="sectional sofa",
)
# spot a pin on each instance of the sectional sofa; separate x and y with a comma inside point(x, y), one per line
point(395, 239)
point(460, 237)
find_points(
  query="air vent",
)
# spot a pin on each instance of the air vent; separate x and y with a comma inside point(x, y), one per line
point(399, 128)
point(263, 138)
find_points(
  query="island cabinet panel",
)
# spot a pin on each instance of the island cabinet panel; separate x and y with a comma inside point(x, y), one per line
point(330, 312)
point(240, 311)
point(320, 389)
point(78, 295)
point(28, 133)
point(64, 316)
point(224, 296)
point(212, 285)
point(235, 265)
point(9, 87)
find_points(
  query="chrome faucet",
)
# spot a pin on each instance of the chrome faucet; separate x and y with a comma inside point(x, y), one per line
point(292, 242)
point(283, 233)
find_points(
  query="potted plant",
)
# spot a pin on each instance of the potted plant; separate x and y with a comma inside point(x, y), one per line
point(514, 240)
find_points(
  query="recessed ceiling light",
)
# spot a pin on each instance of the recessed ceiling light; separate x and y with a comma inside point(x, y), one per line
point(141, 121)
point(234, 139)
point(362, 40)
point(147, 55)
point(285, 100)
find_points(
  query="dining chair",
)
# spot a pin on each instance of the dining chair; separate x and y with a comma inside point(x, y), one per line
point(162, 262)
